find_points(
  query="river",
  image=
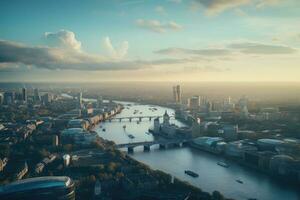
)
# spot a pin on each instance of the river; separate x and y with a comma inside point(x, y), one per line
point(176, 160)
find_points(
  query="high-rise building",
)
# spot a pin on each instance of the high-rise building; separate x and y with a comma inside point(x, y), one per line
point(8, 97)
point(177, 94)
point(46, 99)
point(1, 98)
point(79, 100)
point(36, 95)
point(99, 101)
point(194, 102)
point(24, 95)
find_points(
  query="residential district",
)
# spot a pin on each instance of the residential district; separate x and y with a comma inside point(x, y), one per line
point(50, 150)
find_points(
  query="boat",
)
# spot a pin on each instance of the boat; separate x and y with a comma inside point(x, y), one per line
point(239, 181)
point(131, 136)
point(191, 173)
point(147, 133)
point(103, 129)
point(223, 164)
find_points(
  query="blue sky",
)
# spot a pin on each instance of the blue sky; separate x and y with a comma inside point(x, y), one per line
point(234, 40)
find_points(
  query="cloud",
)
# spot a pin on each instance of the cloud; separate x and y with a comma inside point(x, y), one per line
point(160, 10)
point(200, 52)
point(214, 7)
point(59, 58)
point(116, 53)
point(259, 48)
point(175, 1)
point(230, 49)
point(53, 58)
point(157, 26)
point(263, 3)
point(63, 39)
point(204, 69)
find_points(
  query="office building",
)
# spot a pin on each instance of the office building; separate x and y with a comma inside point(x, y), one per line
point(177, 94)
point(194, 103)
point(8, 98)
point(79, 100)
point(46, 99)
point(36, 94)
point(24, 95)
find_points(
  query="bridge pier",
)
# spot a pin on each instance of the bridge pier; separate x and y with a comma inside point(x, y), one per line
point(150, 118)
point(130, 149)
point(184, 144)
point(140, 119)
point(176, 145)
point(162, 146)
point(146, 148)
point(130, 119)
point(120, 119)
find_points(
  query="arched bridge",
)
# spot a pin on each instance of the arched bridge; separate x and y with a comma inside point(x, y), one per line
point(147, 144)
point(139, 118)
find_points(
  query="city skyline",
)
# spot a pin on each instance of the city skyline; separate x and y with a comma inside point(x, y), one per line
point(142, 40)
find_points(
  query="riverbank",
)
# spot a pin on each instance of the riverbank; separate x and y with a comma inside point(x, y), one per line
point(177, 159)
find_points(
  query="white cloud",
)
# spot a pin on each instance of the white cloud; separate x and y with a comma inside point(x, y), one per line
point(160, 10)
point(214, 7)
point(260, 48)
point(63, 39)
point(116, 53)
point(157, 26)
point(200, 52)
point(175, 1)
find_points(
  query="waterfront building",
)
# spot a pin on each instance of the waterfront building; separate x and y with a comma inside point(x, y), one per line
point(269, 144)
point(229, 132)
point(46, 188)
point(99, 102)
point(156, 127)
point(237, 149)
point(211, 144)
point(78, 123)
point(177, 94)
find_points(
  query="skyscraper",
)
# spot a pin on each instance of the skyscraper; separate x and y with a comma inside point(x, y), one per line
point(36, 97)
point(194, 102)
point(8, 97)
point(177, 94)
point(79, 100)
point(24, 95)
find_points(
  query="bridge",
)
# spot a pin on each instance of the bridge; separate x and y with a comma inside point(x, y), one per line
point(163, 144)
point(139, 118)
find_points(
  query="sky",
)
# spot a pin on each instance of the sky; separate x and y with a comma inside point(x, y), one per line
point(149, 40)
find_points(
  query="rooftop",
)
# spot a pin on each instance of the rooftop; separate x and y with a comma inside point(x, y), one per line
point(36, 183)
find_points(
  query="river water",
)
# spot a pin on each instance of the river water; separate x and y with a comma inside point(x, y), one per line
point(176, 160)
